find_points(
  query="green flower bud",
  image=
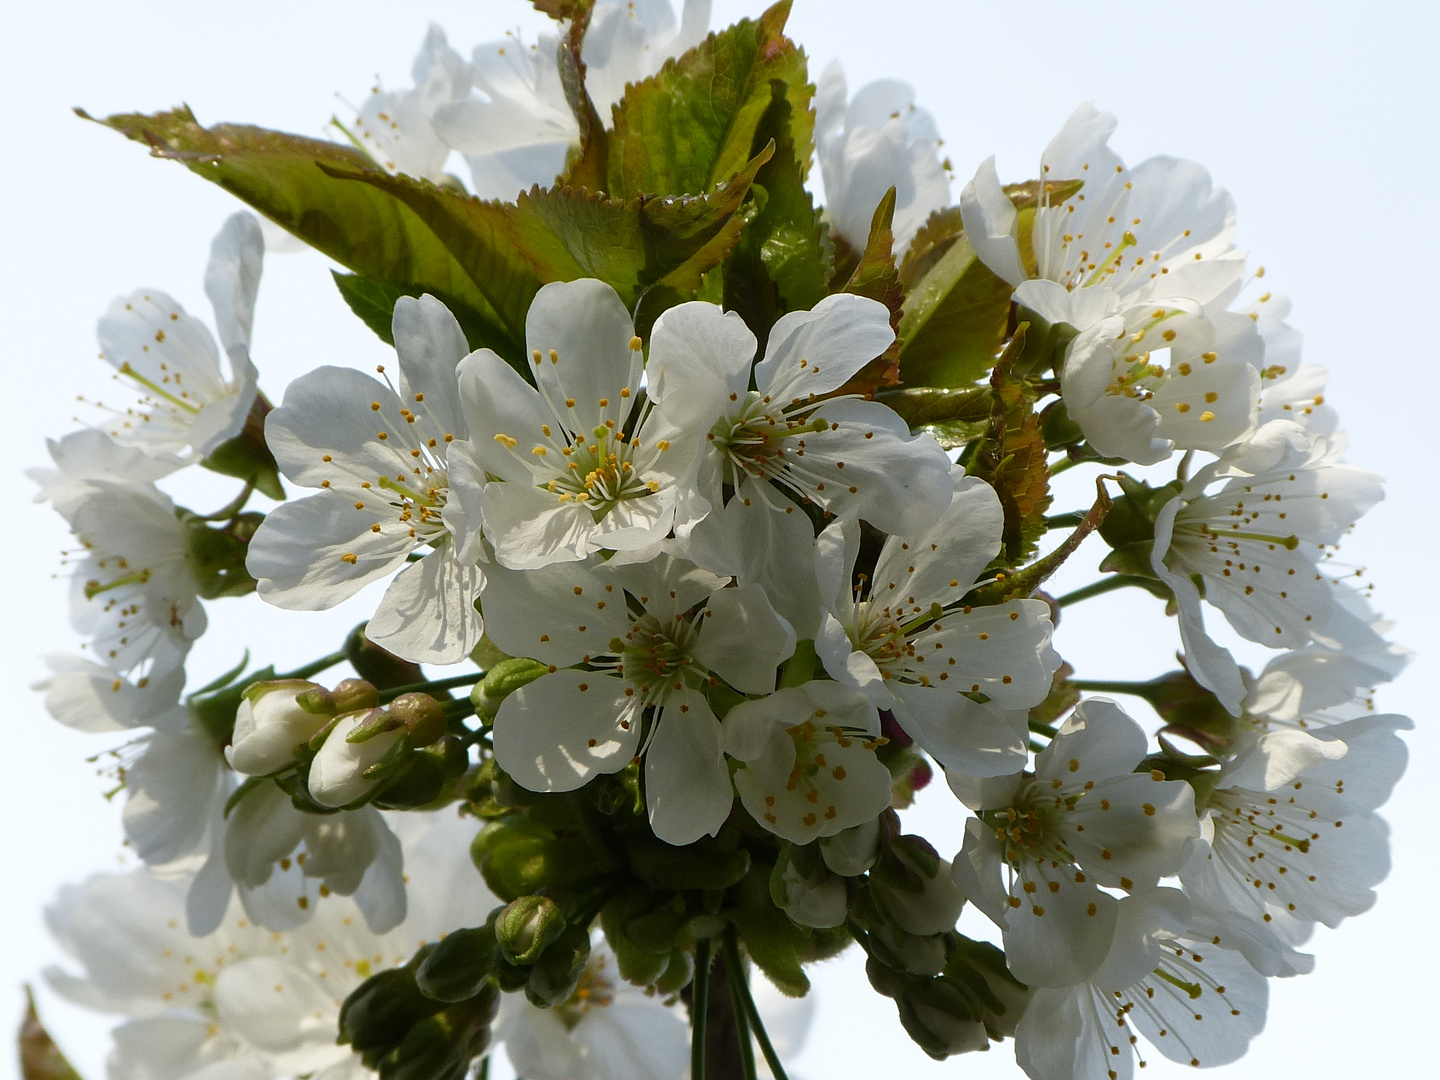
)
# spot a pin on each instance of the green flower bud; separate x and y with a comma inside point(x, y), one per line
point(502, 680)
point(935, 906)
point(459, 964)
point(677, 974)
point(422, 715)
point(556, 974)
point(381, 1010)
point(518, 855)
point(526, 927)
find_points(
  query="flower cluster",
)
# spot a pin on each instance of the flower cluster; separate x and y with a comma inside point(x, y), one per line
point(731, 515)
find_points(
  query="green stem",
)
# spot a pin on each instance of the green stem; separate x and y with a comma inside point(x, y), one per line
point(233, 507)
point(458, 709)
point(700, 1007)
point(1099, 588)
point(1063, 464)
point(748, 1009)
point(315, 666)
point(483, 1072)
point(1065, 521)
point(391, 694)
point(738, 988)
point(1048, 730)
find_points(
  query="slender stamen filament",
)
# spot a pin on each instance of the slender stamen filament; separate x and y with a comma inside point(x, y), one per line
point(128, 371)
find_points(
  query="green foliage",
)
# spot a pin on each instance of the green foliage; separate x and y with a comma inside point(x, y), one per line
point(564, 9)
point(360, 226)
point(1012, 457)
point(785, 258)
point(956, 309)
point(694, 122)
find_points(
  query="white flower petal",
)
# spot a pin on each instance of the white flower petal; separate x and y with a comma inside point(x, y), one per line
point(687, 784)
point(743, 640)
point(428, 613)
point(556, 733)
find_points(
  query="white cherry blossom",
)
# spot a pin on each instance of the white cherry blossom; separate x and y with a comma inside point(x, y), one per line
point(1168, 974)
point(394, 483)
point(877, 140)
point(1036, 858)
point(608, 1030)
point(517, 132)
point(1155, 232)
point(852, 457)
point(905, 640)
point(810, 767)
point(241, 998)
point(687, 632)
point(1255, 544)
point(337, 773)
point(133, 592)
point(1158, 377)
point(1290, 836)
point(394, 127)
point(188, 406)
point(580, 468)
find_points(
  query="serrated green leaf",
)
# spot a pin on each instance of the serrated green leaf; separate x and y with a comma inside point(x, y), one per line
point(372, 301)
point(954, 321)
point(694, 122)
point(784, 259)
point(360, 226)
point(1013, 458)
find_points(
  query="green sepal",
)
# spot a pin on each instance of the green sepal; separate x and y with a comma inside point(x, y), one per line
point(555, 975)
point(773, 941)
point(517, 856)
point(458, 966)
point(702, 865)
point(40, 1058)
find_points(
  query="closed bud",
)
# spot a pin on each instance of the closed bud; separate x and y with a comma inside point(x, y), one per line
point(941, 1019)
point(518, 855)
point(503, 680)
point(422, 716)
point(805, 890)
point(338, 773)
point(556, 974)
point(935, 906)
point(526, 927)
point(458, 965)
point(851, 852)
point(678, 973)
point(351, 695)
point(269, 725)
point(381, 1010)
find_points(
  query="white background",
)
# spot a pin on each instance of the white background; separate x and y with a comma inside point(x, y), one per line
point(1319, 117)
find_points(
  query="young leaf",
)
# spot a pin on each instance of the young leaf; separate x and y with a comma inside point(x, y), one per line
point(563, 9)
point(360, 226)
point(876, 277)
point(1012, 457)
point(694, 122)
point(956, 312)
point(784, 259)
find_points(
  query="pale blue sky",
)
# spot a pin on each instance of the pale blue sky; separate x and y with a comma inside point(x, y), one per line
point(1319, 117)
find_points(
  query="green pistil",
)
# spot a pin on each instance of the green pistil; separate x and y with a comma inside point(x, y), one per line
point(1193, 989)
point(405, 492)
point(1289, 543)
point(127, 370)
point(1127, 241)
point(95, 588)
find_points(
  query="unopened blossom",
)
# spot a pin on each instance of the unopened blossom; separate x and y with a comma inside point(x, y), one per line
point(393, 483)
point(581, 466)
point(686, 631)
point(1290, 835)
point(394, 127)
point(1168, 974)
point(905, 640)
point(1255, 544)
point(240, 1001)
point(269, 724)
point(517, 131)
point(810, 767)
point(337, 775)
point(187, 404)
point(1155, 232)
point(877, 140)
point(1044, 844)
point(852, 457)
point(1161, 376)
point(607, 1030)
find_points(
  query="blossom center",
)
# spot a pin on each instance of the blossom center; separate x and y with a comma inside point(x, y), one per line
point(754, 437)
point(657, 659)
